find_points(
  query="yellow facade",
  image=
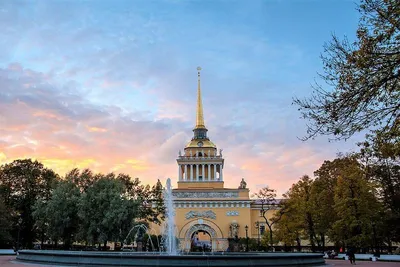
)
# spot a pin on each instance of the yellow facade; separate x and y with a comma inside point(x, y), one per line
point(203, 206)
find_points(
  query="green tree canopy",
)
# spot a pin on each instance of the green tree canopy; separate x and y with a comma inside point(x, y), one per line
point(356, 206)
point(60, 213)
point(23, 182)
point(106, 211)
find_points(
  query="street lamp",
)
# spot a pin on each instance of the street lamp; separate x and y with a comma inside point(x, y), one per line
point(258, 235)
point(247, 238)
point(374, 233)
point(19, 230)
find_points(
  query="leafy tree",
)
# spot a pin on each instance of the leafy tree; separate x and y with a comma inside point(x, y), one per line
point(381, 158)
point(41, 218)
point(364, 76)
point(5, 224)
point(323, 195)
point(23, 182)
point(151, 201)
point(106, 211)
point(289, 229)
point(299, 199)
point(267, 198)
point(60, 212)
point(82, 179)
point(356, 207)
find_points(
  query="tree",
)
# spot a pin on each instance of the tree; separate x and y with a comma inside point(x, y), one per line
point(380, 154)
point(23, 182)
point(82, 179)
point(106, 211)
point(364, 76)
point(151, 202)
point(5, 224)
point(323, 195)
point(289, 229)
point(356, 206)
point(299, 198)
point(267, 198)
point(60, 213)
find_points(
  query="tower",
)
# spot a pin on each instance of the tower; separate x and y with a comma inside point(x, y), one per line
point(200, 166)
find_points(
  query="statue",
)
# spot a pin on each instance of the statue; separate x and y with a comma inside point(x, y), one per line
point(243, 184)
point(180, 154)
point(220, 152)
point(234, 229)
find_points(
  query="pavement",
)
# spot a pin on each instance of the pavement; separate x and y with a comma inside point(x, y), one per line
point(9, 261)
point(362, 263)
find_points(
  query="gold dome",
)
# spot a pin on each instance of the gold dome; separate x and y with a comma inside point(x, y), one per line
point(206, 144)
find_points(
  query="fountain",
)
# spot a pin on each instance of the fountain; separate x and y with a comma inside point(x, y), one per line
point(170, 239)
point(146, 230)
point(170, 258)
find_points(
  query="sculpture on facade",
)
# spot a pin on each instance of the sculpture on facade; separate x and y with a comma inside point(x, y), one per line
point(180, 153)
point(198, 214)
point(220, 152)
point(243, 184)
point(234, 229)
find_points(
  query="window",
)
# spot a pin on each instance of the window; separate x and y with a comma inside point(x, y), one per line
point(200, 178)
point(262, 229)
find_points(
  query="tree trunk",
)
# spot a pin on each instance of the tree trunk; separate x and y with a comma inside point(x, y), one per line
point(105, 245)
point(298, 244)
point(270, 237)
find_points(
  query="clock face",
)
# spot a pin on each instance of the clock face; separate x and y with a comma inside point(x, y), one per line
point(200, 144)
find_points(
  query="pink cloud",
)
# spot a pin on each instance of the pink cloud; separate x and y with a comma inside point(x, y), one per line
point(64, 130)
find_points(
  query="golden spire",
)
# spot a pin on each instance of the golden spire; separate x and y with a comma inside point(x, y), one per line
point(199, 111)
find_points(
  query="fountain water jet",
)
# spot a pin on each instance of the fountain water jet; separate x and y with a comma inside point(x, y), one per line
point(170, 239)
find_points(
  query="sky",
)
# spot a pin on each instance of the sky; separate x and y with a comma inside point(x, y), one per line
point(111, 85)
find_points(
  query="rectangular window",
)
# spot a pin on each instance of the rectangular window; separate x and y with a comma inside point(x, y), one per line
point(262, 229)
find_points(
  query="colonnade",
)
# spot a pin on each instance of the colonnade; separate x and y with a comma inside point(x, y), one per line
point(201, 172)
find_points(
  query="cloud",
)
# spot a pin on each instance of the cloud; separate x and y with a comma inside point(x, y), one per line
point(114, 88)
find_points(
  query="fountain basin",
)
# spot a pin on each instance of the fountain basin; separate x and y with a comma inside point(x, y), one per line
point(143, 259)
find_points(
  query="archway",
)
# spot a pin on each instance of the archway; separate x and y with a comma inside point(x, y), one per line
point(201, 241)
point(209, 228)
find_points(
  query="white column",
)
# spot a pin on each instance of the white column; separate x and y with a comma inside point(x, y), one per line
point(185, 175)
point(180, 172)
point(220, 173)
point(209, 172)
point(202, 172)
point(191, 172)
point(215, 172)
point(197, 172)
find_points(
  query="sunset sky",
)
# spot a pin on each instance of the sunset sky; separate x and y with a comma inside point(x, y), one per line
point(111, 85)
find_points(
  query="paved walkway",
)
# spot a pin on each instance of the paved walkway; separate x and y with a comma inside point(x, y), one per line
point(362, 263)
point(8, 261)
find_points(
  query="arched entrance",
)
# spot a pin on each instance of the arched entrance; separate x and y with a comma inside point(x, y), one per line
point(201, 241)
point(207, 229)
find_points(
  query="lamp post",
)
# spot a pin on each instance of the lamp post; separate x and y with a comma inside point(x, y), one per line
point(247, 238)
point(258, 235)
point(19, 230)
point(374, 233)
